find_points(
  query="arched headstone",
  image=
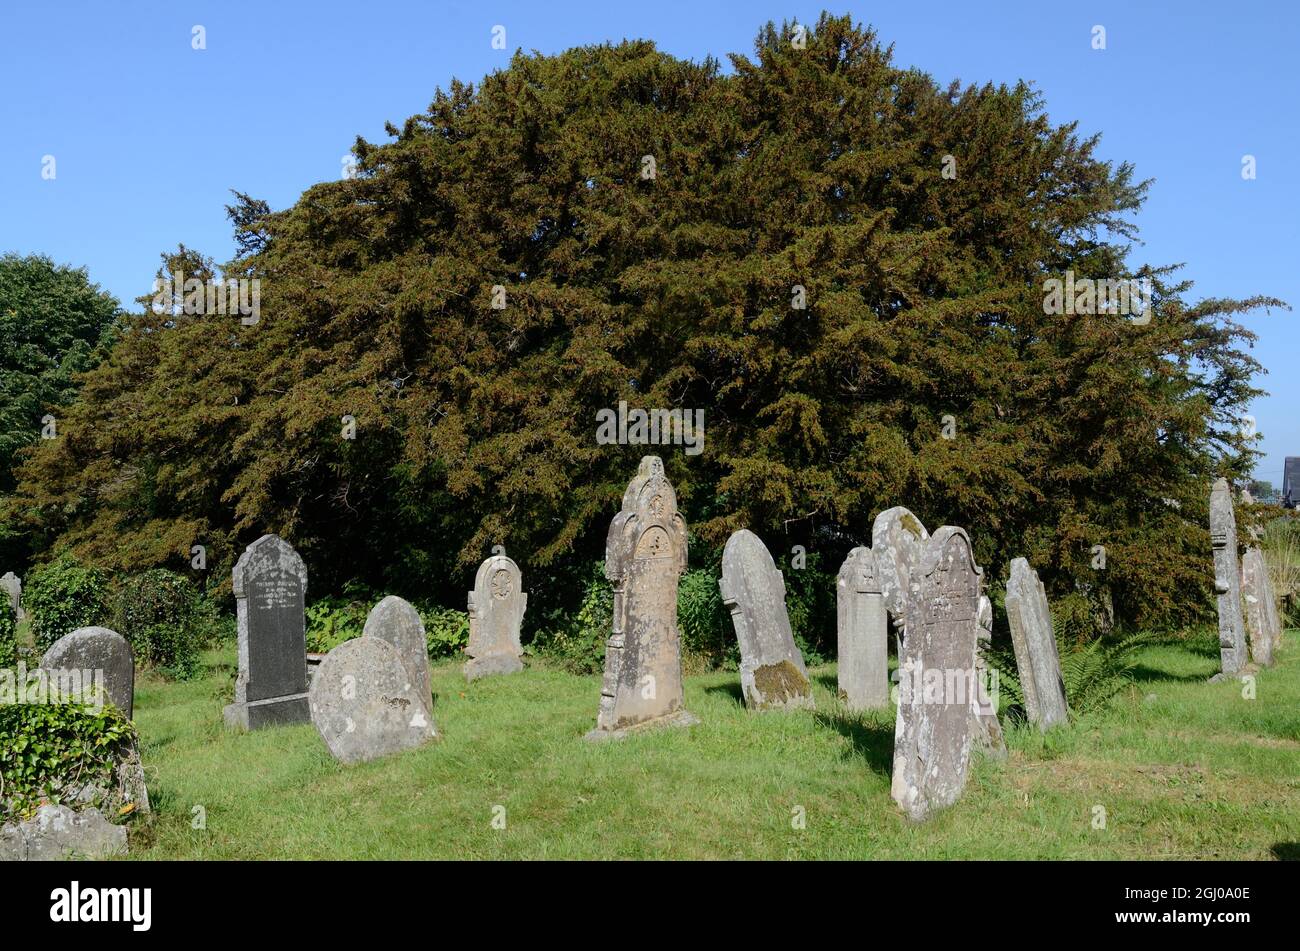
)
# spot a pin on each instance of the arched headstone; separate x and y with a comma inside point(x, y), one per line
point(897, 538)
point(772, 671)
point(397, 622)
point(98, 655)
point(496, 613)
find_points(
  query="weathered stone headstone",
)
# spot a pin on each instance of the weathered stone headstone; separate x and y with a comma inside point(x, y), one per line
point(897, 538)
point(270, 582)
point(645, 555)
point(60, 832)
point(11, 587)
point(936, 720)
point(364, 705)
point(863, 633)
point(989, 729)
point(1227, 579)
point(496, 611)
point(1260, 607)
point(96, 649)
point(1034, 641)
point(397, 622)
point(772, 671)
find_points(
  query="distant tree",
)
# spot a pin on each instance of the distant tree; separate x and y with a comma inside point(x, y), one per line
point(841, 262)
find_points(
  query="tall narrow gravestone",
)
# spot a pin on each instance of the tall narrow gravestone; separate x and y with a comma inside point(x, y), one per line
point(270, 582)
point(936, 721)
point(897, 538)
point(11, 588)
point(397, 622)
point(772, 671)
point(863, 633)
point(988, 728)
point(1227, 579)
point(104, 656)
point(645, 555)
point(1034, 642)
point(496, 612)
point(364, 705)
point(1261, 617)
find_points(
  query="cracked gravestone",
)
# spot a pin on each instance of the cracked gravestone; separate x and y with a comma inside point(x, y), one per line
point(645, 555)
point(364, 705)
point(270, 584)
point(99, 656)
point(1227, 579)
point(1034, 642)
point(496, 612)
point(397, 622)
point(1260, 608)
point(862, 632)
point(772, 671)
point(936, 722)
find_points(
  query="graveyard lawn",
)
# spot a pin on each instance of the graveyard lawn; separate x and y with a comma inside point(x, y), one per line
point(1182, 769)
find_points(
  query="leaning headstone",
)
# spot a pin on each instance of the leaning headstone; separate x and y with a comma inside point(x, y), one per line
point(863, 633)
point(897, 538)
point(94, 649)
point(936, 723)
point(364, 705)
point(989, 729)
point(270, 582)
point(772, 671)
point(1227, 579)
point(12, 588)
point(645, 555)
point(496, 612)
point(1260, 608)
point(1034, 641)
point(397, 622)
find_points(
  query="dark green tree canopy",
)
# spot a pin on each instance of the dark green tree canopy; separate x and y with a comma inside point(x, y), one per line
point(822, 168)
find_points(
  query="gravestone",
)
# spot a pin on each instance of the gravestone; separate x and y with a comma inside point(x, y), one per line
point(772, 671)
point(98, 649)
point(1227, 579)
point(897, 538)
point(397, 622)
point(270, 583)
point(12, 588)
point(1260, 608)
point(936, 721)
point(988, 728)
point(1034, 641)
point(496, 611)
point(863, 633)
point(645, 555)
point(364, 705)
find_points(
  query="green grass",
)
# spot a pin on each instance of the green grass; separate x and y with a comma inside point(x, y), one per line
point(1183, 769)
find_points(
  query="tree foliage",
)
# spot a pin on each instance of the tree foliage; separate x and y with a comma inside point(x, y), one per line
point(820, 167)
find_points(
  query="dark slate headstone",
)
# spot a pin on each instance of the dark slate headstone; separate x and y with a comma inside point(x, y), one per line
point(270, 582)
point(937, 705)
point(772, 671)
point(645, 555)
point(98, 649)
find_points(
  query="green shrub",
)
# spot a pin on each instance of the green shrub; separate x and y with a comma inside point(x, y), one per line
point(704, 621)
point(810, 600)
point(446, 630)
point(576, 643)
point(62, 596)
point(8, 635)
point(336, 618)
point(166, 620)
point(52, 750)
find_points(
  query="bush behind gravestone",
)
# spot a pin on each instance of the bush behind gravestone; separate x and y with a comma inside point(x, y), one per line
point(62, 596)
point(446, 630)
point(166, 619)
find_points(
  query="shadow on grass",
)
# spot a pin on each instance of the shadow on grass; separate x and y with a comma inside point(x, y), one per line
point(830, 681)
point(875, 744)
point(1144, 674)
point(731, 689)
point(1286, 851)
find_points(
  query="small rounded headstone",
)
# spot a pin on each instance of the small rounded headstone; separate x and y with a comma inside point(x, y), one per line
point(97, 649)
point(364, 704)
point(397, 622)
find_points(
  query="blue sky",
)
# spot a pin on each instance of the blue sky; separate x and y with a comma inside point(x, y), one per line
point(149, 134)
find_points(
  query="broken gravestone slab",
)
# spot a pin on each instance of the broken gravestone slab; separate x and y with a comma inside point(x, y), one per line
point(364, 704)
point(936, 720)
point(496, 613)
point(1260, 615)
point(61, 832)
point(1034, 641)
point(645, 555)
point(1227, 580)
point(863, 633)
point(772, 671)
point(397, 622)
point(100, 656)
point(270, 583)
